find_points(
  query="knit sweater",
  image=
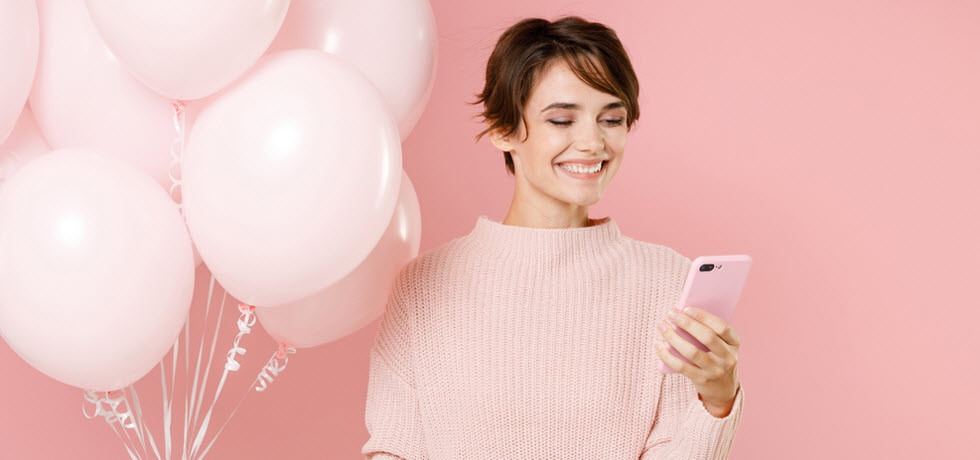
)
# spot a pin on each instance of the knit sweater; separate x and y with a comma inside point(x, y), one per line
point(535, 343)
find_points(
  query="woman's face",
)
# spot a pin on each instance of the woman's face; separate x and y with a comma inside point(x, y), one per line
point(569, 120)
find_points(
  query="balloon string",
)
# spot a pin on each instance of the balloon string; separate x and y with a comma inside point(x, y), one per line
point(107, 405)
point(114, 409)
point(245, 323)
point(168, 399)
point(173, 172)
point(139, 424)
point(276, 364)
point(114, 406)
point(144, 432)
point(177, 152)
point(197, 392)
point(168, 402)
point(207, 369)
point(187, 373)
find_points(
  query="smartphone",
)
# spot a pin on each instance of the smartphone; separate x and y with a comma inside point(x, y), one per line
point(714, 284)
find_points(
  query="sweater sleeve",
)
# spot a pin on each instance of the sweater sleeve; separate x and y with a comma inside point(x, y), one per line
point(392, 414)
point(684, 429)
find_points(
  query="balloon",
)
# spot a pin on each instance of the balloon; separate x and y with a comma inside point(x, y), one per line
point(358, 298)
point(290, 177)
point(23, 145)
point(18, 59)
point(96, 274)
point(393, 42)
point(188, 49)
point(83, 97)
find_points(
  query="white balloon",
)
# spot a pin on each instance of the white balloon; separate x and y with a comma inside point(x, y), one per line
point(392, 42)
point(18, 59)
point(96, 271)
point(188, 49)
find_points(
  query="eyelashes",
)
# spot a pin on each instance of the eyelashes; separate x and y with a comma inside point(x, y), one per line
point(615, 122)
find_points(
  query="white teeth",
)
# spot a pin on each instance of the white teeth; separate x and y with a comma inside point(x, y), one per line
point(579, 169)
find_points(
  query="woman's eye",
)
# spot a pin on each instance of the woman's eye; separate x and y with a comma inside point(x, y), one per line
point(614, 122)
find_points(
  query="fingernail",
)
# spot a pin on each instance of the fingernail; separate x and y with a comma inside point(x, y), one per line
point(689, 310)
point(673, 314)
point(663, 326)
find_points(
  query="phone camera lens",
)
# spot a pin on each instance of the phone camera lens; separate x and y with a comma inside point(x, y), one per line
point(707, 267)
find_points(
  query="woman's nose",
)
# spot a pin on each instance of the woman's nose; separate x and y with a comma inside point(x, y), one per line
point(591, 140)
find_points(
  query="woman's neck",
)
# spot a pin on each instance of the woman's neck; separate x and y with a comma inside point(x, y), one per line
point(522, 214)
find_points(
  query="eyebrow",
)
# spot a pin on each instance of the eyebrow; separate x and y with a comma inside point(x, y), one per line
point(569, 105)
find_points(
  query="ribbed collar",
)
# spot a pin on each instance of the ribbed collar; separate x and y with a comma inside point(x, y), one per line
point(546, 243)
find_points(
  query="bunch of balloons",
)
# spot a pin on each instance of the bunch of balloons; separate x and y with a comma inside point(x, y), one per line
point(288, 184)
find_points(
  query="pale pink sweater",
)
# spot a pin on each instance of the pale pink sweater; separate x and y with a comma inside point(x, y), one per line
point(530, 343)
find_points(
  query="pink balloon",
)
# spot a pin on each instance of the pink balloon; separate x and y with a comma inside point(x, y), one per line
point(23, 145)
point(188, 49)
point(96, 274)
point(83, 97)
point(290, 177)
point(18, 59)
point(393, 42)
point(26, 143)
point(358, 298)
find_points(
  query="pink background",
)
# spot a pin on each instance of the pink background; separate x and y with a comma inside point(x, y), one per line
point(836, 142)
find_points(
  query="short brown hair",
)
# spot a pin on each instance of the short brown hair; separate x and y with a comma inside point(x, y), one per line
point(591, 50)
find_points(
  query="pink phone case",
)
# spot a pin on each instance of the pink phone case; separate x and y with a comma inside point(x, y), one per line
point(716, 291)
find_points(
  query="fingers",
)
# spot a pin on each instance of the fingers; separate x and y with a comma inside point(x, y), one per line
point(702, 333)
point(716, 325)
point(685, 348)
point(674, 362)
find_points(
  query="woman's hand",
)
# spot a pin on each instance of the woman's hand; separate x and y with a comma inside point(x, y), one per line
point(716, 372)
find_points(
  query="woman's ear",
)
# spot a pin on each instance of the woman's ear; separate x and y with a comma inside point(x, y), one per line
point(500, 141)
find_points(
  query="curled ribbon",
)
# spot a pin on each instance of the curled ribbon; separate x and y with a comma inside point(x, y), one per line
point(274, 367)
point(176, 150)
point(107, 405)
point(245, 323)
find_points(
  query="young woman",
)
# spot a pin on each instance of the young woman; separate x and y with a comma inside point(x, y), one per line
point(539, 336)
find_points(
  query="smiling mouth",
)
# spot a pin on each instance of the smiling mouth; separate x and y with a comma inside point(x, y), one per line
point(584, 173)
